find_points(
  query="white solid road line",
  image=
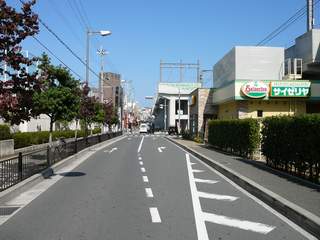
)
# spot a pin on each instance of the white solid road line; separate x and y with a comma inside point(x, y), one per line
point(205, 181)
point(149, 192)
point(217, 196)
point(264, 205)
point(143, 169)
point(139, 149)
point(145, 178)
point(155, 217)
point(242, 224)
point(200, 223)
point(141, 163)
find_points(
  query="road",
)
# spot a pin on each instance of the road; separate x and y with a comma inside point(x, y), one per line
point(142, 187)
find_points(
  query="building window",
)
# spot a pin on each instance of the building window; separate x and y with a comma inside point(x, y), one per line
point(183, 107)
point(259, 113)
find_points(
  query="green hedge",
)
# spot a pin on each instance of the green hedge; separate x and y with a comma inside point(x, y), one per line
point(25, 139)
point(293, 144)
point(5, 132)
point(238, 136)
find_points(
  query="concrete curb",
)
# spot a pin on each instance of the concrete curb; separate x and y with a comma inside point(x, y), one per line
point(295, 213)
point(46, 173)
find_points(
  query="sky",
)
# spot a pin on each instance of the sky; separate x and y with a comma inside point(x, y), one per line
point(145, 31)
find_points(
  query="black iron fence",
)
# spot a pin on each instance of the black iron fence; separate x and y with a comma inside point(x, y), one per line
point(18, 168)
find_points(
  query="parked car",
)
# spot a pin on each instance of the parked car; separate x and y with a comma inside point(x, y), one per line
point(172, 130)
point(143, 128)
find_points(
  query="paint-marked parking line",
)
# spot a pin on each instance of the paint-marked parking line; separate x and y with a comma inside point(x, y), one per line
point(155, 217)
point(149, 192)
point(145, 178)
point(197, 171)
point(231, 222)
point(216, 196)
point(205, 181)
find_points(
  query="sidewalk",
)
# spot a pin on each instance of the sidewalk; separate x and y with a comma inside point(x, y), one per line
point(298, 191)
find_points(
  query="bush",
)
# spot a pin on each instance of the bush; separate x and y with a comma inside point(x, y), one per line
point(238, 136)
point(96, 130)
point(186, 135)
point(25, 139)
point(292, 144)
point(5, 132)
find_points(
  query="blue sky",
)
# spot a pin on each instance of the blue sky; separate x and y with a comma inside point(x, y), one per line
point(145, 31)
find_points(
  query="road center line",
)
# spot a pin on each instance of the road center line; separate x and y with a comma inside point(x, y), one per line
point(141, 163)
point(155, 217)
point(139, 149)
point(149, 192)
point(139, 158)
point(145, 178)
point(143, 169)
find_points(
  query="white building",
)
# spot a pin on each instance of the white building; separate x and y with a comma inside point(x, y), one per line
point(166, 109)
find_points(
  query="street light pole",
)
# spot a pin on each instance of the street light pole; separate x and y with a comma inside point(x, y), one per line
point(102, 33)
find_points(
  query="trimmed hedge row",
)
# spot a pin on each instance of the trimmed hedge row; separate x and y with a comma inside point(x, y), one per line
point(238, 136)
point(4, 132)
point(293, 144)
point(25, 139)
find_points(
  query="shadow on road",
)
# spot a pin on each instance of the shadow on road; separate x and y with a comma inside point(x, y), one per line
point(72, 174)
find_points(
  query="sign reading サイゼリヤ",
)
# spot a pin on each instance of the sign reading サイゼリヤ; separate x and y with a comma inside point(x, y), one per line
point(255, 89)
point(290, 88)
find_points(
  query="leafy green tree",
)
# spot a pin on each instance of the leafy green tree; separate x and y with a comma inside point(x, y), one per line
point(59, 97)
point(17, 89)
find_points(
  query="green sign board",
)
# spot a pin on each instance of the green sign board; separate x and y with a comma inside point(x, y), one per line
point(290, 89)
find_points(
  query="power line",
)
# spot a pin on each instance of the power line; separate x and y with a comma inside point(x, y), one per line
point(64, 44)
point(54, 55)
point(295, 17)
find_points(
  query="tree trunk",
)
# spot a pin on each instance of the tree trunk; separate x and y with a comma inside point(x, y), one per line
point(50, 134)
point(76, 131)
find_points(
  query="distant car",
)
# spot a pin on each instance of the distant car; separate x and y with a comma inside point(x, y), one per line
point(143, 128)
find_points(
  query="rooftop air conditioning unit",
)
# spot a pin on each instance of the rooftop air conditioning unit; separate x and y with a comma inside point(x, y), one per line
point(293, 69)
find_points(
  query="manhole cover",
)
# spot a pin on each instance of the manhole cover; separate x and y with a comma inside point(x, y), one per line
point(4, 211)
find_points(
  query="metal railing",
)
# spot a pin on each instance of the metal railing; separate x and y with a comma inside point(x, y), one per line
point(15, 169)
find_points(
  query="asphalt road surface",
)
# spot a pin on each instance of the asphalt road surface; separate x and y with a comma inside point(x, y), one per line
point(142, 187)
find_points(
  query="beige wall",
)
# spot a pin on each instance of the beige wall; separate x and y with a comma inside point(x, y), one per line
point(248, 109)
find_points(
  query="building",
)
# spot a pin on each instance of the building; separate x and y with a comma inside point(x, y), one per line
point(172, 105)
point(254, 82)
point(111, 88)
point(201, 110)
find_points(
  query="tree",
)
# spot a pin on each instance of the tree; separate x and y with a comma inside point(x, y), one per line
point(91, 110)
point(59, 97)
point(16, 92)
point(111, 116)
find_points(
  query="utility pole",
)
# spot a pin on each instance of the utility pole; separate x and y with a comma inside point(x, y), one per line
point(102, 52)
point(310, 15)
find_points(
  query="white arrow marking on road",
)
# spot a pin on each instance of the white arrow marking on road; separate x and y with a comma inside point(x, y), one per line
point(161, 148)
point(217, 196)
point(113, 149)
point(205, 181)
point(242, 224)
